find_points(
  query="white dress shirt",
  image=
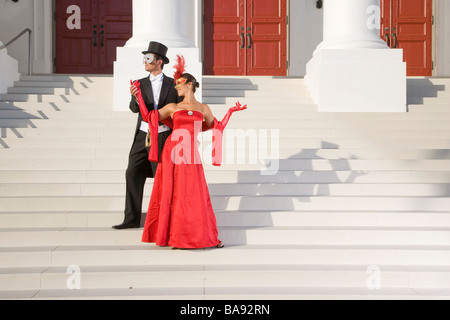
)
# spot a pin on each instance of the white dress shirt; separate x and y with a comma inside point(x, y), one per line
point(157, 83)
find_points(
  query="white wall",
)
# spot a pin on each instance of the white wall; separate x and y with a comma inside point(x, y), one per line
point(306, 33)
point(14, 18)
point(443, 38)
point(37, 16)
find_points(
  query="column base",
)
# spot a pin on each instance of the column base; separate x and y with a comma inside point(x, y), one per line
point(129, 66)
point(358, 80)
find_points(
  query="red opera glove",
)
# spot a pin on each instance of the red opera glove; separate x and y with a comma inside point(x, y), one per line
point(227, 117)
point(218, 128)
point(142, 106)
point(153, 123)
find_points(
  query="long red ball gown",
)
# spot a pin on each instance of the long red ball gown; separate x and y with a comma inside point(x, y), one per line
point(180, 213)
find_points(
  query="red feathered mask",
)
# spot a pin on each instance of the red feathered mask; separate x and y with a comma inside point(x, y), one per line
point(180, 67)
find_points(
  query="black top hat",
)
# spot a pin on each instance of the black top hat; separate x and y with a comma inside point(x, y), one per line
point(159, 49)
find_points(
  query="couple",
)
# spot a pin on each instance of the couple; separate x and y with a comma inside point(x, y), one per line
point(180, 213)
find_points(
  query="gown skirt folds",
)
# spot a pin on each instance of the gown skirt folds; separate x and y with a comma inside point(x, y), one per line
point(180, 213)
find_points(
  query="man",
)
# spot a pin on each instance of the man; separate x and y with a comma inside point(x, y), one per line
point(158, 91)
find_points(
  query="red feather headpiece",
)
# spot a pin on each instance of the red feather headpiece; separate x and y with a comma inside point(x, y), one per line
point(179, 67)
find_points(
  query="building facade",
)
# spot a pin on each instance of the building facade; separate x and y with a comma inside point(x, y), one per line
point(218, 37)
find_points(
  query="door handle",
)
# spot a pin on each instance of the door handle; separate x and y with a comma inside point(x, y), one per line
point(394, 37)
point(250, 41)
point(242, 41)
point(102, 35)
point(388, 40)
point(94, 38)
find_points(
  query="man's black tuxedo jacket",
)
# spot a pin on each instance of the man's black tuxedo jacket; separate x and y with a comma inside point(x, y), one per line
point(168, 95)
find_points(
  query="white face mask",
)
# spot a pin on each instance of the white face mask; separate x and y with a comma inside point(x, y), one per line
point(148, 58)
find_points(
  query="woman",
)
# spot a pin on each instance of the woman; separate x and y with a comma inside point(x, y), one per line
point(180, 213)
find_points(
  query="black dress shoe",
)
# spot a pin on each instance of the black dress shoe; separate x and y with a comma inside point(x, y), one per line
point(124, 226)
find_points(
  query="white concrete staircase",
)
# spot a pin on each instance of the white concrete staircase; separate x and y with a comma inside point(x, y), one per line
point(354, 193)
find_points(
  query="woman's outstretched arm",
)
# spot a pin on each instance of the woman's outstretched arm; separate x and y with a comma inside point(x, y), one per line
point(211, 120)
point(218, 128)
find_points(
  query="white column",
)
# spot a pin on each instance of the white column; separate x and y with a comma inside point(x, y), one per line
point(42, 36)
point(171, 22)
point(171, 25)
point(353, 70)
point(352, 24)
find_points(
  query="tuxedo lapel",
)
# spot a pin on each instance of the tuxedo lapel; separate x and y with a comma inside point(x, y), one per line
point(167, 84)
point(146, 88)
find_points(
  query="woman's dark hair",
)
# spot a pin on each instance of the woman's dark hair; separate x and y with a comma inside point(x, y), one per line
point(191, 79)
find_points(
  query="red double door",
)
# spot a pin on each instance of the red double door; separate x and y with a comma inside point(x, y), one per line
point(90, 47)
point(245, 37)
point(407, 24)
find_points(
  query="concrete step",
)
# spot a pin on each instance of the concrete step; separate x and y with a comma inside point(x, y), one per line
point(66, 90)
point(129, 125)
point(275, 165)
point(330, 220)
point(95, 132)
point(232, 203)
point(267, 144)
point(47, 98)
point(231, 236)
point(249, 256)
point(296, 127)
point(52, 142)
point(230, 143)
point(230, 80)
point(224, 281)
point(231, 100)
point(444, 109)
point(230, 189)
point(88, 78)
point(299, 93)
point(55, 115)
point(421, 92)
point(262, 88)
point(428, 101)
point(53, 108)
point(429, 84)
point(118, 120)
point(181, 294)
point(231, 86)
point(112, 120)
point(94, 153)
point(44, 84)
point(307, 120)
point(233, 176)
